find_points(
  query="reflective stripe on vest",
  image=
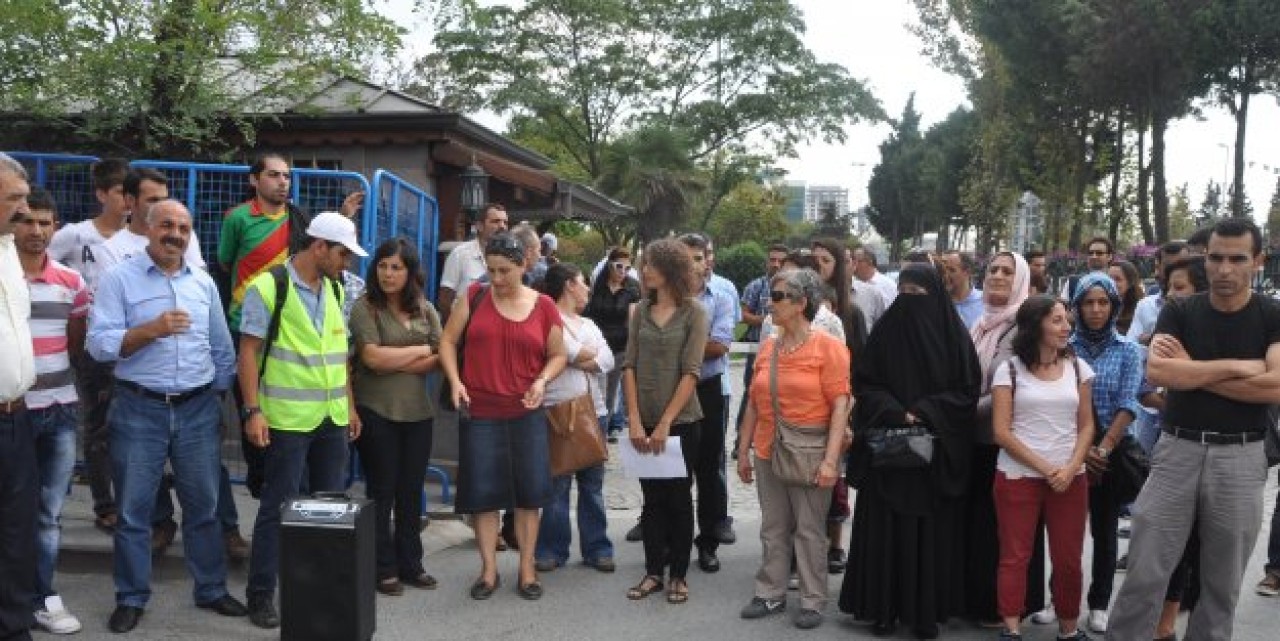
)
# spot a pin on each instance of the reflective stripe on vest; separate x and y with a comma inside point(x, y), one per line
point(306, 381)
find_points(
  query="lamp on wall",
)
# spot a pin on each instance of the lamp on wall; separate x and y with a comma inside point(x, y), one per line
point(475, 189)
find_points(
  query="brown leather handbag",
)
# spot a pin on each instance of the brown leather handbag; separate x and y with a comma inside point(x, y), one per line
point(576, 441)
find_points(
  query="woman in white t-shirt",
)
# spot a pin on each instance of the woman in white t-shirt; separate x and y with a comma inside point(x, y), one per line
point(1043, 421)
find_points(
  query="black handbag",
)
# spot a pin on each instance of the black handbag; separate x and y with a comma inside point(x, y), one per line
point(901, 447)
point(1127, 469)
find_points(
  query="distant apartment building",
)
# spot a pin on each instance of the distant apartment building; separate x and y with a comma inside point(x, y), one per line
point(820, 197)
point(795, 201)
point(1027, 225)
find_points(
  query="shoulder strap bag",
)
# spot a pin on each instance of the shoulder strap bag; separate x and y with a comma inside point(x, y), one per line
point(797, 451)
point(575, 438)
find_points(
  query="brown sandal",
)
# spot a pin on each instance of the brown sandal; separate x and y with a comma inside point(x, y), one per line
point(648, 585)
point(679, 592)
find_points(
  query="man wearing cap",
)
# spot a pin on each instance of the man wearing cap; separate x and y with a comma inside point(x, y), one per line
point(161, 322)
point(297, 400)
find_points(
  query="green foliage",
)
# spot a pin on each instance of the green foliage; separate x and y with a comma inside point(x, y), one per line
point(1273, 218)
point(750, 212)
point(185, 77)
point(741, 263)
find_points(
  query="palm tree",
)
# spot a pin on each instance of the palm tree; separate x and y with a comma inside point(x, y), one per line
point(650, 169)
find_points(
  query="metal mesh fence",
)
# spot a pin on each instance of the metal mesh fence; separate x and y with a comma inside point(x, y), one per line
point(401, 209)
point(68, 178)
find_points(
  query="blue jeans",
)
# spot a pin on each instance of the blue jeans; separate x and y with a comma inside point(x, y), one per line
point(228, 517)
point(322, 452)
point(55, 433)
point(145, 432)
point(554, 533)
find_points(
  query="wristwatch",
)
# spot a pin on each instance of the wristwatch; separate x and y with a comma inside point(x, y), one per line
point(248, 411)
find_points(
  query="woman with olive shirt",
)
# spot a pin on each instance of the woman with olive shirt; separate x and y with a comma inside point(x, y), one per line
point(396, 333)
point(670, 329)
point(811, 390)
point(514, 344)
point(919, 368)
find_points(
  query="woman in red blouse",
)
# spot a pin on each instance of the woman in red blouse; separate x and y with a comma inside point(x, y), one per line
point(511, 341)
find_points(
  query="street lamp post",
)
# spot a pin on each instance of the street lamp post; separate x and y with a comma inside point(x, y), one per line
point(474, 184)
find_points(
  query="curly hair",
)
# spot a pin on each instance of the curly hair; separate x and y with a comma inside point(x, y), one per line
point(671, 259)
point(1030, 321)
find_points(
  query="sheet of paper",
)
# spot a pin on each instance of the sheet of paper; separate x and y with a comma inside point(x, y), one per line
point(638, 465)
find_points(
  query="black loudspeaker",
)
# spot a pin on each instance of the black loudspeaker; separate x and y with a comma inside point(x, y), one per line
point(327, 570)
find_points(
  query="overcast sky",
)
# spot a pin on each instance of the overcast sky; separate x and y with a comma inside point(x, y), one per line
point(869, 37)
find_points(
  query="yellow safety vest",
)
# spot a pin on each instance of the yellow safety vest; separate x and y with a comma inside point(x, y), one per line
point(306, 376)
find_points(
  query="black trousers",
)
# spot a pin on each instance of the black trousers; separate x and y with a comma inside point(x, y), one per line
point(394, 455)
point(95, 383)
point(253, 455)
point(19, 501)
point(667, 514)
point(1104, 518)
point(708, 464)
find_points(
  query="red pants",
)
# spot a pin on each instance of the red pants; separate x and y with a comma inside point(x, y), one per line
point(1019, 504)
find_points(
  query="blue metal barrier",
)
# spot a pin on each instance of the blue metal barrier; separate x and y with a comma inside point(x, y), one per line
point(67, 177)
point(210, 190)
point(405, 210)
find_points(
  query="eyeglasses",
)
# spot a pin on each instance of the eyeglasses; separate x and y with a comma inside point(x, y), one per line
point(620, 266)
point(778, 295)
point(1095, 252)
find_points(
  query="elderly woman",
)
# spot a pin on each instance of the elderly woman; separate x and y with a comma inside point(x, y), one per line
point(801, 379)
point(1005, 286)
point(660, 371)
point(919, 370)
point(589, 359)
point(1118, 363)
point(396, 333)
point(504, 457)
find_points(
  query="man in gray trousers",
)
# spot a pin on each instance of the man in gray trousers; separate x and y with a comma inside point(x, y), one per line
point(1219, 356)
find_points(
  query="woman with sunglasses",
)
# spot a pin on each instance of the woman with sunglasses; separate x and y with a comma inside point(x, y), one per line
point(613, 296)
point(668, 336)
point(513, 343)
point(803, 375)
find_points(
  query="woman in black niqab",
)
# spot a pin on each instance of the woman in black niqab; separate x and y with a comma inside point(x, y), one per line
point(906, 554)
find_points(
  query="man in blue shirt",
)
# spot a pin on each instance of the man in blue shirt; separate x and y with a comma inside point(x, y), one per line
point(713, 499)
point(958, 270)
point(162, 323)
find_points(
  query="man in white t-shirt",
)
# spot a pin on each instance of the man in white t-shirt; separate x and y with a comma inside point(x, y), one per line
point(76, 244)
point(866, 270)
point(142, 188)
point(465, 264)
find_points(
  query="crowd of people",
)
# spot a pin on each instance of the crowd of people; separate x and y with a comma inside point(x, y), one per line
point(980, 417)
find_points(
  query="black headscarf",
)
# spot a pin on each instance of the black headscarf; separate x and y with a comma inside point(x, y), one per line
point(919, 359)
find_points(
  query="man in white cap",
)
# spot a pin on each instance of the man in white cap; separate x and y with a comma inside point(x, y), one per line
point(297, 396)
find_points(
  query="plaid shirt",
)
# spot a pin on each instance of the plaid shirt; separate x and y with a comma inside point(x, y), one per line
point(756, 299)
point(1118, 376)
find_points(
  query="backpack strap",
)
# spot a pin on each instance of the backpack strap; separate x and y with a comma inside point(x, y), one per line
point(280, 276)
point(1013, 378)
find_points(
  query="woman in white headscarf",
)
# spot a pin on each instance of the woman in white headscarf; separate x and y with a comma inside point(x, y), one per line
point(1006, 284)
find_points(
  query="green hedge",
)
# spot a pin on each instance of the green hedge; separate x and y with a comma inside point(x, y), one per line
point(741, 263)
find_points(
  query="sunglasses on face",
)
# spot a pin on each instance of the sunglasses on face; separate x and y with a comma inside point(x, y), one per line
point(778, 295)
point(507, 246)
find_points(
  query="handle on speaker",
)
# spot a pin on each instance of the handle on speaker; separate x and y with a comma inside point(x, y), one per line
point(340, 494)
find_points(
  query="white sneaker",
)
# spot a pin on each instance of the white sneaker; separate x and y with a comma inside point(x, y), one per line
point(1097, 621)
point(1045, 616)
point(55, 618)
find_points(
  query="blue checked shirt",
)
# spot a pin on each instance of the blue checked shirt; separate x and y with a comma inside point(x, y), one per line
point(756, 299)
point(1118, 376)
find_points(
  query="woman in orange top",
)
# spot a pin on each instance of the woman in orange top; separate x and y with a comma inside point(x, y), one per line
point(811, 391)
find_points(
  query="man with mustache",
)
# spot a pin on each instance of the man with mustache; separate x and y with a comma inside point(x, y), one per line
point(144, 188)
point(19, 487)
point(162, 323)
point(59, 312)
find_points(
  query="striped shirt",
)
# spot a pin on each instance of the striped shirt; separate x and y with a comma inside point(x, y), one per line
point(251, 242)
point(58, 295)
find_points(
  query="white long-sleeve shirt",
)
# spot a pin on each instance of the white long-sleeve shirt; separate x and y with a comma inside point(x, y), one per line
point(572, 382)
point(18, 368)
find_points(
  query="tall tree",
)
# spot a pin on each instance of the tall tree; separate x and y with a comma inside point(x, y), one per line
point(180, 77)
point(1273, 218)
point(894, 186)
point(734, 76)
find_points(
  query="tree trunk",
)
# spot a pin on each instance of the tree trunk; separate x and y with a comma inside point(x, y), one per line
point(1113, 201)
point(1084, 168)
point(1159, 188)
point(1242, 122)
point(1144, 184)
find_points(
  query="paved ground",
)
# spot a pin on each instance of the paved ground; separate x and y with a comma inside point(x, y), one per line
point(580, 603)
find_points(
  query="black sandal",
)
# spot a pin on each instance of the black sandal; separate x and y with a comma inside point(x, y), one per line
point(648, 585)
point(679, 592)
point(480, 590)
